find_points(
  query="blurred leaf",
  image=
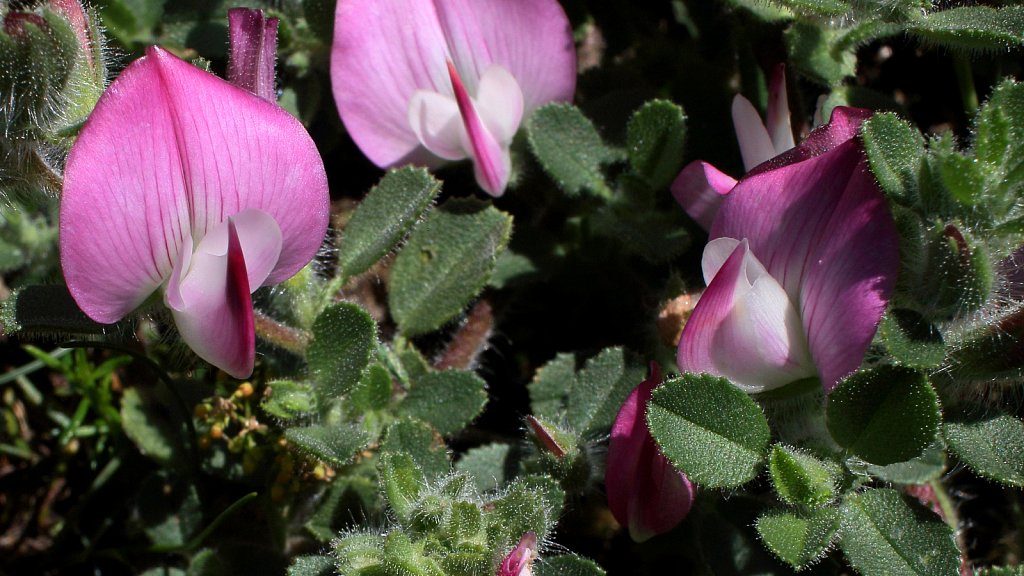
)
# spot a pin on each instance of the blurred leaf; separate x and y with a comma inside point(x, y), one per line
point(343, 337)
point(488, 465)
point(822, 8)
point(525, 506)
point(765, 11)
point(654, 141)
point(149, 419)
point(336, 445)
point(911, 340)
point(312, 566)
point(208, 562)
point(359, 553)
point(567, 565)
point(883, 534)
point(169, 509)
point(445, 263)
point(601, 387)
point(972, 28)
point(550, 386)
point(895, 150)
point(401, 480)
point(449, 400)
point(920, 470)
point(511, 268)
point(801, 479)
point(709, 429)
point(289, 399)
point(384, 217)
point(567, 145)
point(799, 540)
point(373, 392)
point(811, 53)
point(884, 415)
point(991, 445)
point(421, 442)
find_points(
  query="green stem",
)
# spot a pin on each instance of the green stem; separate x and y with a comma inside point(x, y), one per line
point(199, 538)
point(965, 81)
point(280, 335)
point(948, 513)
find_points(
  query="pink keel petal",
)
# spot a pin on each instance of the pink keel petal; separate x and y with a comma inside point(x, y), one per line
point(491, 161)
point(212, 306)
point(699, 189)
point(253, 39)
point(519, 561)
point(645, 492)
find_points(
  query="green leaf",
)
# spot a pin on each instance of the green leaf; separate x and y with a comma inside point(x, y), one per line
point(797, 540)
point(312, 566)
point(655, 137)
point(911, 339)
point(373, 392)
point(800, 478)
point(895, 150)
point(149, 418)
point(446, 262)
point(1000, 571)
point(491, 466)
point(524, 507)
point(810, 51)
point(882, 533)
point(991, 445)
point(567, 565)
point(999, 129)
point(601, 387)
point(449, 400)
point(920, 470)
point(709, 429)
point(289, 399)
point(884, 415)
point(343, 337)
point(550, 386)
point(822, 8)
point(421, 442)
point(336, 445)
point(973, 28)
point(402, 481)
point(569, 148)
point(359, 554)
point(389, 211)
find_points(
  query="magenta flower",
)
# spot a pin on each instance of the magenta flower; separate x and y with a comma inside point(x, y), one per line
point(185, 184)
point(425, 81)
point(645, 493)
point(519, 561)
point(700, 187)
point(802, 260)
point(253, 39)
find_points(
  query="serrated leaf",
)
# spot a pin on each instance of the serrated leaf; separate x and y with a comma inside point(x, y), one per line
point(312, 566)
point(992, 446)
point(336, 445)
point(895, 150)
point(884, 415)
point(445, 263)
point(550, 386)
point(601, 387)
point(799, 541)
point(973, 27)
point(421, 442)
point(343, 337)
point(567, 565)
point(709, 429)
point(655, 137)
point(882, 533)
point(569, 149)
point(911, 339)
point(801, 478)
point(810, 49)
point(491, 466)
point(449, 400)
point(387, 213)
point(289, 399)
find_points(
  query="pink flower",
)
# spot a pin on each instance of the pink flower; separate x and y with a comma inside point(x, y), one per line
point(645, 492)
point(253, 39)
point(519, 561)
point(700, 187)
point(184, 184)
point(802, 260)
point(425, 81)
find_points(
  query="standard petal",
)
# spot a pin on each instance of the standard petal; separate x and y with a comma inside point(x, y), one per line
point(755, 143)
point(645, 493)
point(124, 210)
point(212, 306)
point(699, 189)
point(253, 39)
point(779, 125)
point(819, 224)
point(238, 151)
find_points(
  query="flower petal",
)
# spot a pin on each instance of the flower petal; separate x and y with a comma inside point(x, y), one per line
point(211, 303)
point(744, 326)
point(699, 189)
point(778, 125)
point(755, 143)
point(645, 492)
point(436, 121)
point(253, 39)
point(819, 224)
point(519, 562)
point(492, 162)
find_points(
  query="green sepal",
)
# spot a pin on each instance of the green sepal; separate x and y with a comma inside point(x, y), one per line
point(799, 540)
point(884, 415)
point(884, 532)
point(802, 479)
point(709, 429)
